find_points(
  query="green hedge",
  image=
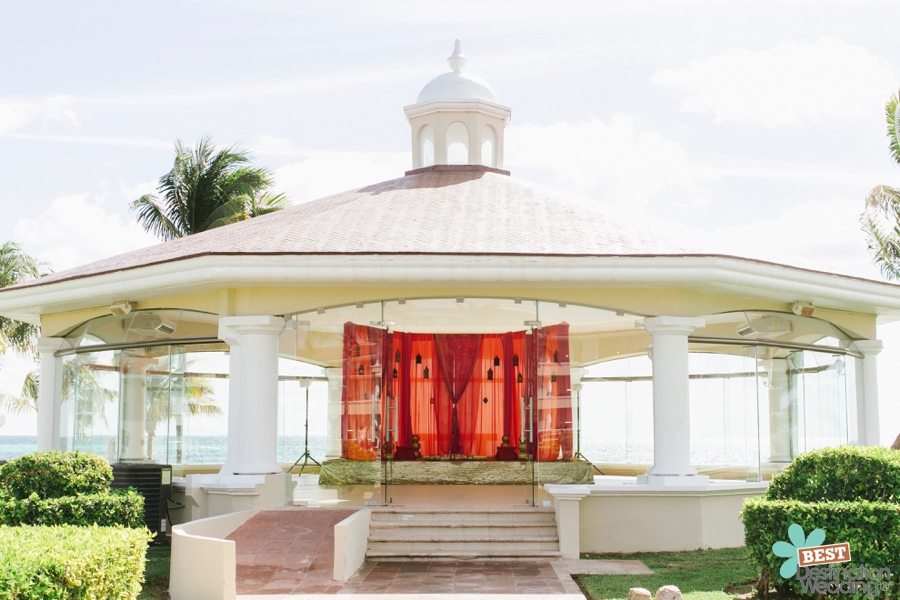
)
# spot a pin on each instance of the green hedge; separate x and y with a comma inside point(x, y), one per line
point(71, 562)
point(845, 473)
point(120, 507)
point(871, 528)
point(55, 474)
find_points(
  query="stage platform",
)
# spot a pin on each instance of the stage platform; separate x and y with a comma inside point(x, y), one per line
point(455, 472)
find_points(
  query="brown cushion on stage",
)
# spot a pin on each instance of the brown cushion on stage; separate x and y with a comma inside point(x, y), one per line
point(405, 453)
point(506, 453)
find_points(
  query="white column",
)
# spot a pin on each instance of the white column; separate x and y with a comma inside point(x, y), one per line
point(134, 407)
point(49, 393)
point(671, 406)
point(779, 412)
point(868, 426)
point(252, 394)
point(335, 377)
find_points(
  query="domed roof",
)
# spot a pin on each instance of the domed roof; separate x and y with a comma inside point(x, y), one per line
point(448, 210)
point(457, 85)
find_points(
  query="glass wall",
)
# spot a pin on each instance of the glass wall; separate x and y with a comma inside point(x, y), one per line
point(167, 404)
point(764, 387)
point(567, 382)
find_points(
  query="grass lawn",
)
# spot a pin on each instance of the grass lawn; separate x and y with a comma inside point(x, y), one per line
point(156, 574)
point(700, 574)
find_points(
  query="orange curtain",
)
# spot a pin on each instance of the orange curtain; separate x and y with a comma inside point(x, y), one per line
point(507, 368)
point(554, 404)
point(361, 416)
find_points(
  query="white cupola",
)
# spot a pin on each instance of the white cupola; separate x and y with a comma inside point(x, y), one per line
point(457, 120)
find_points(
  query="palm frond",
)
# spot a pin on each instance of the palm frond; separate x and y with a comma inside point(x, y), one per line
point(882, 228)
point(265, 203)
point(230, 212)
point(893, 123)
point(16, 405)
point(153, 217)
point(201, 190)
point(16, 266)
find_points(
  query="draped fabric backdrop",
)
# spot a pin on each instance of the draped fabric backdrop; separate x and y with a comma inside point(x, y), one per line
point(459, 393)
point(361, 414)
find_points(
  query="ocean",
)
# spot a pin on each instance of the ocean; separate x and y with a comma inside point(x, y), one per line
point(211, 449)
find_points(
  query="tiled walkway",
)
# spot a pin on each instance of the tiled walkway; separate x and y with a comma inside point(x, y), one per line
point(469, 577)
point(290, 552)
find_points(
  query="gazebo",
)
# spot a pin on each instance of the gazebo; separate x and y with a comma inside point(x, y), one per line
point(458, 322)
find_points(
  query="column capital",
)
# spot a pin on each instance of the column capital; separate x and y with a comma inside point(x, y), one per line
point(869, 347)
point(663, 325)
point(333, 373)
point(50, 344)
point(232, 327)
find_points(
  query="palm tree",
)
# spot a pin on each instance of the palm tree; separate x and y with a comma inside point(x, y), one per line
point(881, 218)
point(17, 267)
point(206, 189)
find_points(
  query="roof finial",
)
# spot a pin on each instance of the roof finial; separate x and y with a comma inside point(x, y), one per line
point(457, 60)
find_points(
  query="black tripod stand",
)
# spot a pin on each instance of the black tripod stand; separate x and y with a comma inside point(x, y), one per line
point(306, 457)
point(578, 455)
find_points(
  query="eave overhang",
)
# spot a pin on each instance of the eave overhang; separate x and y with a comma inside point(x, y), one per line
point(705, 273)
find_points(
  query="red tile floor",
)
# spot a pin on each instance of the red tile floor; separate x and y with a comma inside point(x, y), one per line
point(290, 551)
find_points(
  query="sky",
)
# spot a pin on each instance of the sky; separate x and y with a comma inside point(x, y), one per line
point(761, 122)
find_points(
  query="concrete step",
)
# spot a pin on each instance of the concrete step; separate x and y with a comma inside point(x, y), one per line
point(451, 556)
point(397, 533)
point(452, 516)
point(390, 530)
point(482, 546)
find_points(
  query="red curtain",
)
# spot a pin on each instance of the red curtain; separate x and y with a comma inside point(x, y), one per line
point(456, 356)
point(554, 405)
point(459, 393)
point(361, 415)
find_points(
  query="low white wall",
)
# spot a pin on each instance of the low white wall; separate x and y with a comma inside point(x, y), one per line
point(662, 521)
point(210, 495)
point(351, 538)
point(203, 562)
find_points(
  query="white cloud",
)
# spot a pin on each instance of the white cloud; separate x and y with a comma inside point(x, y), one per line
point(77, 229)
point(790, 82)
point(326, 173)
point(16, 113)
point(826, 232)
point(138, 142)
point(618, 162)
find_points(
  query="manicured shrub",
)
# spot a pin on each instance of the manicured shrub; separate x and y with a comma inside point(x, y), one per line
point(121, 507)
point(850, 492)
point(71, 562)
point(55, 474)
point(871, 528)
point(845, 473)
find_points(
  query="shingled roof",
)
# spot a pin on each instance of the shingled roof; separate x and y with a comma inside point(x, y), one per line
point(467, 211)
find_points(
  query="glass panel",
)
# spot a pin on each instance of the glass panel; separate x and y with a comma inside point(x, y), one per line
point(345, 413)
point(144, 325)
point(198, 423)
point(486, 421)
point(91, 389)
point(820, 397)
point(724, 414)
point(782, 327)
point(617, 415)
